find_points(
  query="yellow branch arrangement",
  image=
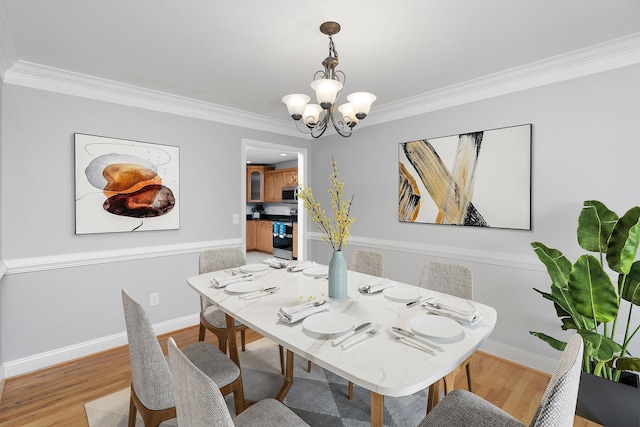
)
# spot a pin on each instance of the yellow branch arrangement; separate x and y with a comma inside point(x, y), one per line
point(335, 231)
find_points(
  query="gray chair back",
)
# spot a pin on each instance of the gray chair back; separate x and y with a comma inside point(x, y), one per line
point(367, 262)
point(558, 404)
point(219, 259)
point(199, 402)
point(451, 279)
point(150, 373)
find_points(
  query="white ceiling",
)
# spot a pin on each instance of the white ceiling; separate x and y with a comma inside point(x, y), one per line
point(247, 54)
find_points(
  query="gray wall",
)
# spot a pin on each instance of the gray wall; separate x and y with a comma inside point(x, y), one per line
point(43, 311)
point(585, 146)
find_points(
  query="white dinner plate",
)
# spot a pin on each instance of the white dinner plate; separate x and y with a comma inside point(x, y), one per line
point(253, 268)
point(402, 293)
point(316, 271)
point(435, 326)
point(328, 323)
point(243, 287)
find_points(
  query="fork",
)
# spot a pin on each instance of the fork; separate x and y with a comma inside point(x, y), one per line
point(439, 306)
point(369, 334)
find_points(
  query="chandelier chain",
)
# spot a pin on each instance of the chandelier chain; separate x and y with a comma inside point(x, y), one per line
point(332, 49)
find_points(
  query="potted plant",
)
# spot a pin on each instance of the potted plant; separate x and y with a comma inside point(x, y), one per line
point(257, 211)
point(586, 300)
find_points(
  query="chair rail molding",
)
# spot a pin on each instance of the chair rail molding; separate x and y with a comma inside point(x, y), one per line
point(29, 265)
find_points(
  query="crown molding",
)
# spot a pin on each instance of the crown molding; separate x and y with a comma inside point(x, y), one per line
point(606, 56)
point(43, 77)
point(595, 59)
point(7, 57)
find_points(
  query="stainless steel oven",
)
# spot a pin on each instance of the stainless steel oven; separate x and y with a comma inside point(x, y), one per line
point(283, 239)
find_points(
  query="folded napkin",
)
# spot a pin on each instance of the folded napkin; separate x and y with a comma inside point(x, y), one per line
point(275, 263)
point(224, 281)
point(301, 266)
point(298, 312)
point(471, 318)
point(372, 286)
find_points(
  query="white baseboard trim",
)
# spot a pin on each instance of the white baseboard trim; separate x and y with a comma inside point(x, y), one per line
point(521, 357)
point(43, 360)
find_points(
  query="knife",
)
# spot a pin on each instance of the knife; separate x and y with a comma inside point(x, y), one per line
point(348, 335)
point(415, 337)
point(369, 334)
point(412, 303)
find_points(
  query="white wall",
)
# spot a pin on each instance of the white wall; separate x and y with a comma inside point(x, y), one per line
point(585, 144)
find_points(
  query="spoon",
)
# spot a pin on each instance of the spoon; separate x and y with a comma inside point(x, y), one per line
point(315, 303)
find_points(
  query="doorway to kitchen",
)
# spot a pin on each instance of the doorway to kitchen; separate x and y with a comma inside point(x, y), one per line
point(269, 171)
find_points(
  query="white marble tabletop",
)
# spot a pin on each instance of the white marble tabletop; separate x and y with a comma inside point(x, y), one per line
point(378, 364)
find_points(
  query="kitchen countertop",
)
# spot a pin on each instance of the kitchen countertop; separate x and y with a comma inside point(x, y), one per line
point(268, 217)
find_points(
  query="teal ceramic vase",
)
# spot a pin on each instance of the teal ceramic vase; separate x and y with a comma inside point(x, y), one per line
point(337, 276)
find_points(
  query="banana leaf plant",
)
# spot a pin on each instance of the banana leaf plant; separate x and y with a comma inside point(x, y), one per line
point(584, 296)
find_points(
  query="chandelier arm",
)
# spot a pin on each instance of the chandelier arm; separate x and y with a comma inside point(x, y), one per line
point(342, 128)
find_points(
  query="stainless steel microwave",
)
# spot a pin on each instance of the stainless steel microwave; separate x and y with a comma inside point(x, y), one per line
point(290, 194)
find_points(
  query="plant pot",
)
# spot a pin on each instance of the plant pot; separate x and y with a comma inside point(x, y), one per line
point(609, 403)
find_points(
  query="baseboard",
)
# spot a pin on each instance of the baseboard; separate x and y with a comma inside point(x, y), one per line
point(521, 357)
point(43, 360)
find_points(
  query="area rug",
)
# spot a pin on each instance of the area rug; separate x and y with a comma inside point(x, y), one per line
point(319, 397)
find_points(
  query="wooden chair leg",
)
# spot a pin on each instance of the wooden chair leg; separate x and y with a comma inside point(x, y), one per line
point(308, 366)
point(243, 339)
point(281, 358)
point(132, 413)
point(201, 332)
point(434, 395)
point(350, 391)
point(469, 382)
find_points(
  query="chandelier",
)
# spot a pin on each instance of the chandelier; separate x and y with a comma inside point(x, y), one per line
point(327, 84)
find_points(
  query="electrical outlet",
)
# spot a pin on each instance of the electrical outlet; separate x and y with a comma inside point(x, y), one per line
point(235, 218)
point(154, 298)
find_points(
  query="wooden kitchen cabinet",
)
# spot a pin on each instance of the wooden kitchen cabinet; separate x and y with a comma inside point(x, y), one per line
point(255, 183)
point(273, 186)
point(252, 226)
point(275, 180)
point(265, 236)
point(295, 240)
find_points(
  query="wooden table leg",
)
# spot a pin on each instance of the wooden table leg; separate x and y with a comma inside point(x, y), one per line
point(231, 340)
point(377, 409)
point(288, 377)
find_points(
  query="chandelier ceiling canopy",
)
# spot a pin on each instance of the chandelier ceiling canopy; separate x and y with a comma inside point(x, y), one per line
point(327, 84)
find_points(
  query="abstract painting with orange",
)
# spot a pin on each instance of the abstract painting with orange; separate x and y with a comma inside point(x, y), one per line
point(124, 185)
point(480, 179)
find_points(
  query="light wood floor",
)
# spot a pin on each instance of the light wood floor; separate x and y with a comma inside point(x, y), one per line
point(56, 396)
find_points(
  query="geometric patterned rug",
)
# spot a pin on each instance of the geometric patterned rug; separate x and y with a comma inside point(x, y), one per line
point(319, 397)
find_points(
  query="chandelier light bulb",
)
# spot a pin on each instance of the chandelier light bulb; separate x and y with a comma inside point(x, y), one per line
point(326, 91)
point(361, 102)
point(312, 114)
point(296, 103)
point(348, 116)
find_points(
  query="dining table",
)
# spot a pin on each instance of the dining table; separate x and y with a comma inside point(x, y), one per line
point(381, 363)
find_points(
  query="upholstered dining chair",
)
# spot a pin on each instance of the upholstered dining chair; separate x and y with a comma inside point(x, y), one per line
point(151, 386)
point(199, 403)
point(456, 280)
point(212, 318)
point(461, 408)
point(367, 262)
